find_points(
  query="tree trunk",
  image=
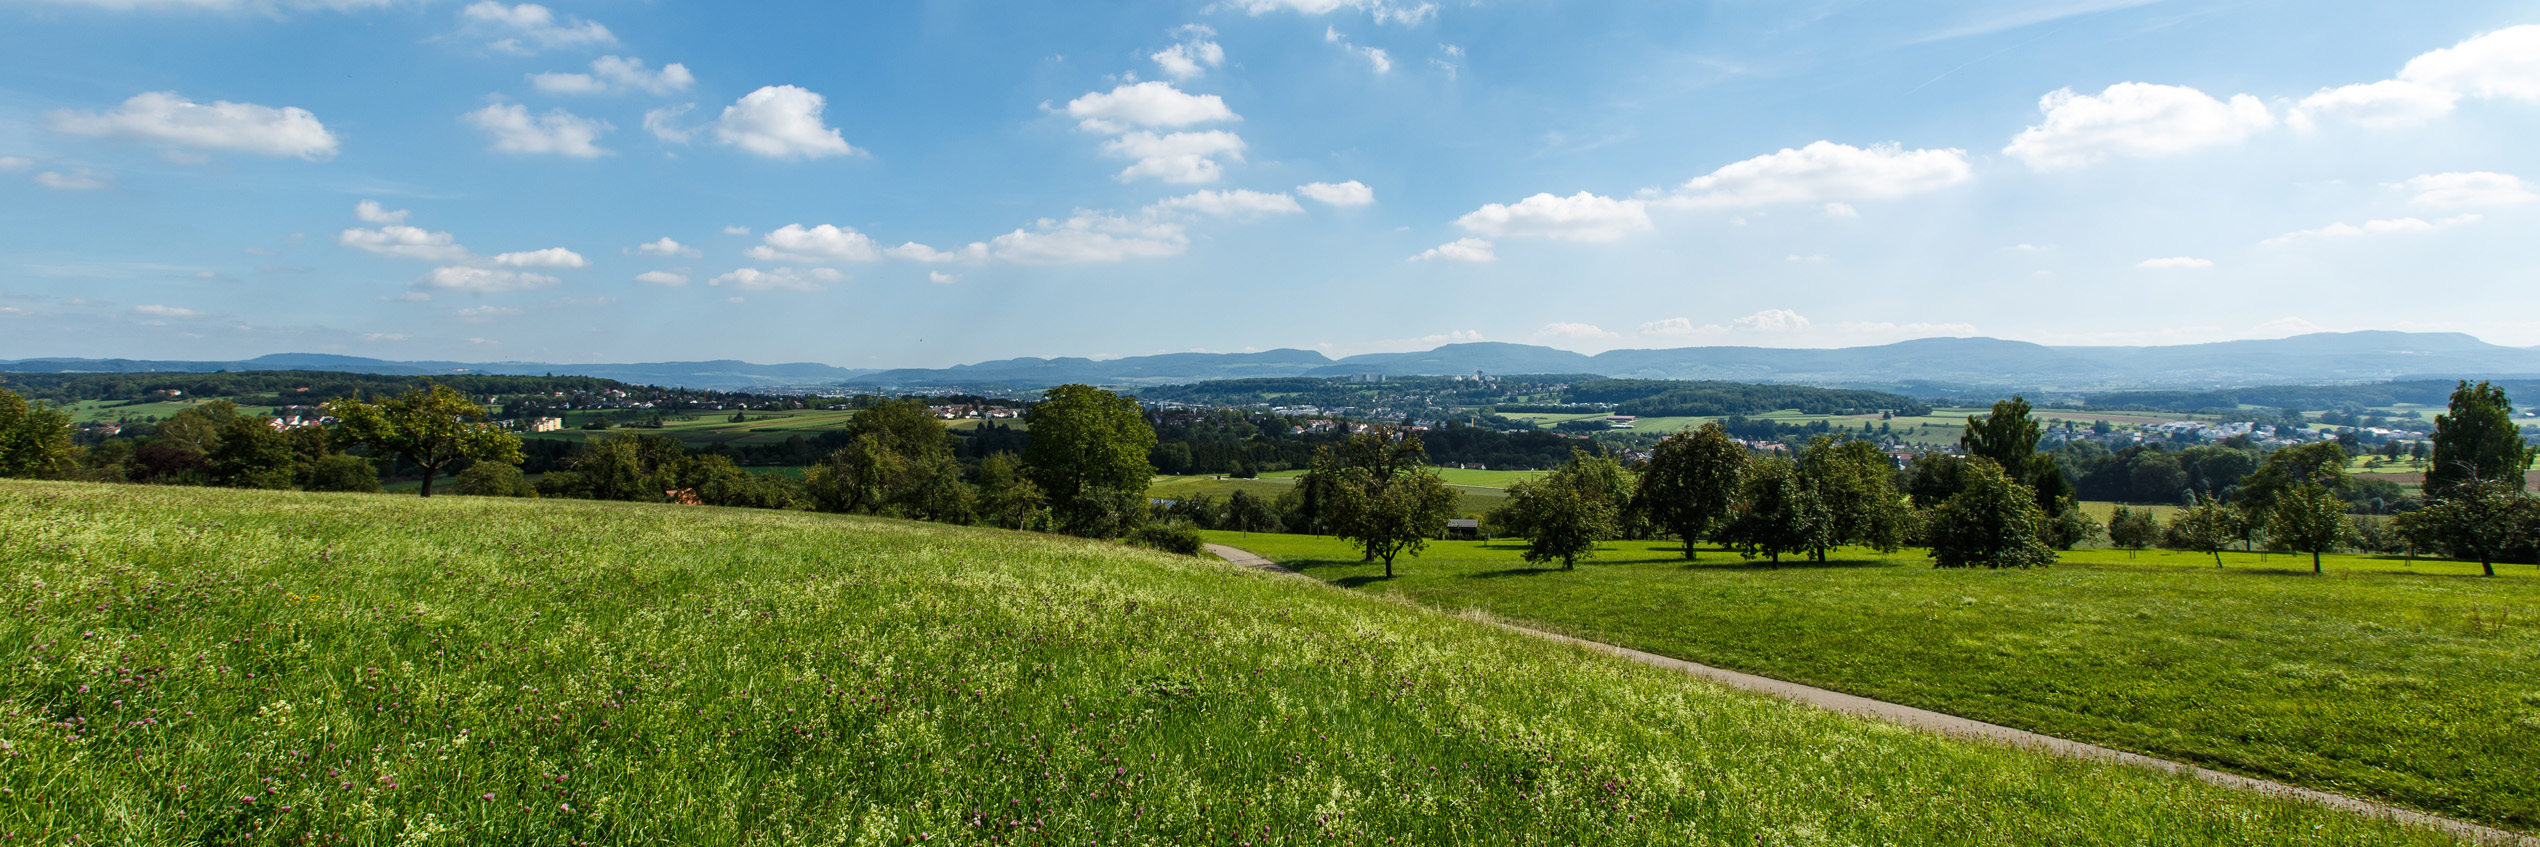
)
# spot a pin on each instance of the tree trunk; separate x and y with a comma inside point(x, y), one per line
point(1388, 567)
point(2217, 558)
point(2486, 565)
point(2315, 561)
point(427, 480)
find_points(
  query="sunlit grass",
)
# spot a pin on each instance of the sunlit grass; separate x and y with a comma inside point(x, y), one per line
point(2415, 681)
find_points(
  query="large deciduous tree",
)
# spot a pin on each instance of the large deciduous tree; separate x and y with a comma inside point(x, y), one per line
point(34, 440)
point(1993, 521)
point(2308, 518)
point(2477, 441)
point(429, 427)
point(1690, 482)
point(2474, 519)
point(898, 461)
point(1778, 512)
point(1855, 482)
point(1088, 453)
point(1373, 489)
point(1565, 513)
point(2208, 526)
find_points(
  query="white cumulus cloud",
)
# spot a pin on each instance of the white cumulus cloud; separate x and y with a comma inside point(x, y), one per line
point(1228, 204)
point(666, 248)
point(1771, 320)
point(616, 73)
point(781, 122)
point(941, 278)
point(662, 278)
point(1351, 193)
point(1088, 237)
point(1383, 11)
point(81, 179)
point(485, 314)
point(1153, 103)
point(972, 253)
point(164, 117)
point(398, 241)
point(1825, 171)
point(529, 28)
point(1193, 56)
point(14, 164)
point(1578, 217)
point(475, 280)
point(2476, 188)
point(2504, 63)
point(1569, 331)
point(370, 212)
point(2133, 119)
point(2175, 263)
point(780, 279)
point(815, 245)
point(1180, 157)
point(158, 311)
point(2393, 226)
point(563, 133)
point(552, 257)
point(1459, 250)
point(2388, 103)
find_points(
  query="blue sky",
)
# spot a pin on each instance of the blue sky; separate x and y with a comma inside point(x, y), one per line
point(927, 183)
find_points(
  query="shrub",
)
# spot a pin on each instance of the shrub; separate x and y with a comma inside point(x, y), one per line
point(1172, 536)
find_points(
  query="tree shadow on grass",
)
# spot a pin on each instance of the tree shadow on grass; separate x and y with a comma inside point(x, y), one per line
point(1796, 564)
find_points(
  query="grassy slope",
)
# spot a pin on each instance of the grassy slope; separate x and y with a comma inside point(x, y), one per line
point(2409, 681)
point(203, 666)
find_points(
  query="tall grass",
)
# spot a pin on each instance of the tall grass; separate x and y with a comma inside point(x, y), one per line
point(227, 667)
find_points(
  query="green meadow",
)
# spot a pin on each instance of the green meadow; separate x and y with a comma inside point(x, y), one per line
point(2408, 681)
point(204, 666)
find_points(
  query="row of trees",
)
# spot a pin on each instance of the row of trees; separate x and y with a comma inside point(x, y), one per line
point(2004, 503)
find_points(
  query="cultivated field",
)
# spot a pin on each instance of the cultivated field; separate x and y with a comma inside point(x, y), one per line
point(2409, 681)
point(92, 411)
point(210, 666)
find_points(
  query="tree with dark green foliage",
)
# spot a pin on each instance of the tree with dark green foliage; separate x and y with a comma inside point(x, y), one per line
point(2069, 526)
point(250, 453)
point(1778, 512)
point(898, 462)
point(2475, 519)
point(1690, 482)
point(429, 427)
point(2310, 519)
point(494, 479)
point(1565, 513)
point(1374, 489)
point(1246, 512)
point(1007, 497)
point(1088, 454)
point(2477, 441)
point(2208, 526)
point(2007, 436)
point(2321, 463)
point(35, 440)
point(1855, 482)
point(2133, 529)
point(1993, 521)
point(1933, 478)
point(349, 473)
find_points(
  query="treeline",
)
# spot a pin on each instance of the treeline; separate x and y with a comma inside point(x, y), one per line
point(2422, 392)
point(1245, 444)
point(2150, 473)
point(1660, 398)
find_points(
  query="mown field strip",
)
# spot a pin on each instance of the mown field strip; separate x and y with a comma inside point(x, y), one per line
point(1975, 730)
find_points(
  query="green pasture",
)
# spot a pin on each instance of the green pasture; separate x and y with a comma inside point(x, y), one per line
point(201, 666)
point(94, 411)
point(2408, 681)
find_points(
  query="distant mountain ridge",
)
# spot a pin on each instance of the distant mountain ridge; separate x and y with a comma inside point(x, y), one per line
point(1972, 362)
